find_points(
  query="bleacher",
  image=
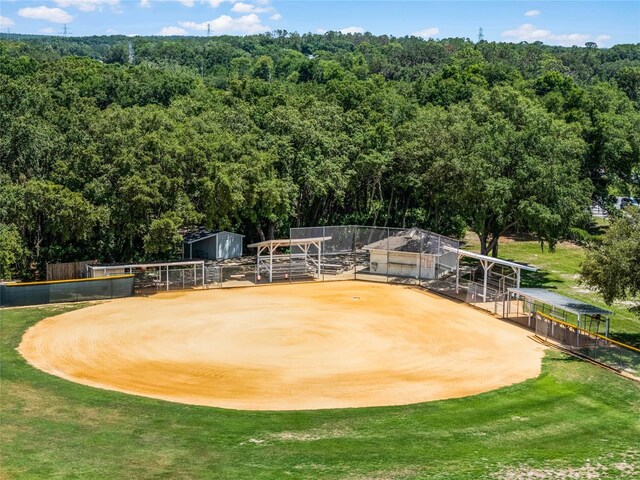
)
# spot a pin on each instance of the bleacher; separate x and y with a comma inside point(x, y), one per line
point(291, 271)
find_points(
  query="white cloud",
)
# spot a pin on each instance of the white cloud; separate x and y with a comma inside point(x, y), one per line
point(529, 33)
point(241, 7)
point(275, 16)
point(172, 31)
point(187, 3)
point(47, 30)
point(214, 3)
point(111, 31)
point(321, 31)
point(427, 32)
point(602, 38)
point(247, 24)
point(532, 13)
point(86, 5)
point(5, 22)
point(55, 15)
point(352, 30)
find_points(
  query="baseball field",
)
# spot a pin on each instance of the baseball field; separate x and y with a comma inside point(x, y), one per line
point(286, 347)
point(445, 391)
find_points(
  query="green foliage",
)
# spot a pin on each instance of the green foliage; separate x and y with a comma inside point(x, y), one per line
point(265, 132)
point(163, 240)
point(613, 268)
point(11, 251)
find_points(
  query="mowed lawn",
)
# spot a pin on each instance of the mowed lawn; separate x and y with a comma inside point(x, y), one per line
point(559, 271)
point(574, 421)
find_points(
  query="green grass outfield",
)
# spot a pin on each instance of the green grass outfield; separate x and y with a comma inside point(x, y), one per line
point(575, 419)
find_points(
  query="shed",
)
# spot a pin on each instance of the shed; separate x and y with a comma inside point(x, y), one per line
point(415, 253)
point(208, 245)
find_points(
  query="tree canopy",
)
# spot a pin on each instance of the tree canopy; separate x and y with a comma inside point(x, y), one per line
point(110, 145)
point(613, 267)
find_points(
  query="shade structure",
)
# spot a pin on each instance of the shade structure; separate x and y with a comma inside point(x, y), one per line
point(487, 263)
point(557, 302)
point(304, 244)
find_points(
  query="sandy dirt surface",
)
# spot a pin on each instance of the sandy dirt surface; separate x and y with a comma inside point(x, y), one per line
point(286, 347)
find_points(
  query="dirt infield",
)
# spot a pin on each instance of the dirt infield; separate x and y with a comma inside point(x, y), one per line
point(306, 346)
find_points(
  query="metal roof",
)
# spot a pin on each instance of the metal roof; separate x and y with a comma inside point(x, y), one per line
point(406, 240)
point(145, 265)
point(497, 261)
point(196, 236)
point(285, 242)
point(560, 301)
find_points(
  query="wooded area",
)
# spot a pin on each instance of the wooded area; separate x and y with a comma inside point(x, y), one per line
point(109, 145)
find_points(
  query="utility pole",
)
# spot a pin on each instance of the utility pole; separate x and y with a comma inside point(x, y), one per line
point(132, 55)
point(480, 35)
point(208, 29)
point(65, 30)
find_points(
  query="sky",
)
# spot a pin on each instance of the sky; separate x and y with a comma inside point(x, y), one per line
point(552, 22)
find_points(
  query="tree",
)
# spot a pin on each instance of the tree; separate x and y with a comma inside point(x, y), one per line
point(12, 251)
point(628, 80)
point(613, 267)
point(163, 242)
point(514, 166)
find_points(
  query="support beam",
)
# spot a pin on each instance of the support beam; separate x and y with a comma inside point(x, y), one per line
point(271, 264)
point(486, 279)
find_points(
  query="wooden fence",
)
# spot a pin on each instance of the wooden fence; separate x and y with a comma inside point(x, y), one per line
point(69, 270)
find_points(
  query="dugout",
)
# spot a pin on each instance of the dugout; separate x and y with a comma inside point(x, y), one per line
point(157, 275)
point(525, 302)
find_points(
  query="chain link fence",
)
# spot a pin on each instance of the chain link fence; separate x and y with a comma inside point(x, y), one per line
point(380, 254)
point(620, 357)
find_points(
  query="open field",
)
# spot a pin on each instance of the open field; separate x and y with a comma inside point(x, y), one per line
point(559, 271)
point(575, 420)
point(286, 347)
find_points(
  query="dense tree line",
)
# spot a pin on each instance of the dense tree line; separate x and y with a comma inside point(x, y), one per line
point(110, 145)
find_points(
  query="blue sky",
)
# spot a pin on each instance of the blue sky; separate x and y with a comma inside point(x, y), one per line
point(552, 22)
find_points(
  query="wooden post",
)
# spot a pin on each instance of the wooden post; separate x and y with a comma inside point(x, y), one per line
point(271, 263)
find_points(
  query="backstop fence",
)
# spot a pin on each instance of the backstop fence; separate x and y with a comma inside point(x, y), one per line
point(410, 256)
point(620, 357)
point(62, 291)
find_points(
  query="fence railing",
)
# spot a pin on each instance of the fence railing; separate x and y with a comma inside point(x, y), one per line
point(62, 291)
point(616, 355)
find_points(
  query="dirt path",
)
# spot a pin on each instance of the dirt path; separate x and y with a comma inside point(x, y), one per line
point(318, 345)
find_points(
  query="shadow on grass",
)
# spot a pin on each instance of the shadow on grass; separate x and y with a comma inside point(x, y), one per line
point(539, 279)
point(559, 357)
point(632, 339)
point(597, 229)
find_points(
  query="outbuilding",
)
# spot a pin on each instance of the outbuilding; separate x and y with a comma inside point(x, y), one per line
point(210, 245)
